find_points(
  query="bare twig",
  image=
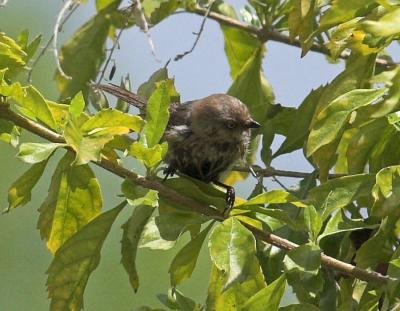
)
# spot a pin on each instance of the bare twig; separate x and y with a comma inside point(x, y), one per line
point(145, 28)
point(45, 48)
point(189, 203)
point(115, 44)
point(68, 5)
point(197, 34)
point(280, 184)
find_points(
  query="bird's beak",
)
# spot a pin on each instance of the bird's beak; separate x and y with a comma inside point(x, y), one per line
point(253, 124)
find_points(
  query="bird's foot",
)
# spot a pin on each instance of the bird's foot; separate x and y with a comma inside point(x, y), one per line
point(230, 197)
point(169, 172)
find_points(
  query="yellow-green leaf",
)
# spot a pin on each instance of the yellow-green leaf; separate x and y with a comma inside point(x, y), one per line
point(20, 191)
point(73, 263)
point(74, 199)
point(330, 121)
point(387, 25)
point(37, 152)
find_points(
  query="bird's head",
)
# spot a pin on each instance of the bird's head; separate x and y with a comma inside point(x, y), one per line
point(221, 115)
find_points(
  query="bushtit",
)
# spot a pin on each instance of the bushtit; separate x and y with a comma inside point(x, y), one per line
point(205, 136)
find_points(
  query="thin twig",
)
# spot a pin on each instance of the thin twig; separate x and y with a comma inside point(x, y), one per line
point(45, 48)
point(67, 6)
point(191, 204)
point(280, 184)
point(259, 177)
point(145, 28)
point(115, 44)
point(197, 34)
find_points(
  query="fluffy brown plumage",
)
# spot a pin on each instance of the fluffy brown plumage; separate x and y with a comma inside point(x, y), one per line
point(205, 136)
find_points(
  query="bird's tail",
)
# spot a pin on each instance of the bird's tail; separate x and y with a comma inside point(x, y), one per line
point(127, 96)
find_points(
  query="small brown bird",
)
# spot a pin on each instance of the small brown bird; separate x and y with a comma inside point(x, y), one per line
point(205, 136)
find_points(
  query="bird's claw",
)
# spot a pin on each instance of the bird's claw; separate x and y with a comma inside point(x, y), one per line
point(169, 171)
point(230, 200)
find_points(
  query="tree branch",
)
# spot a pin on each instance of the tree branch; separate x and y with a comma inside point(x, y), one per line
point(270, 171)
point(272, 35)
point(189, 203)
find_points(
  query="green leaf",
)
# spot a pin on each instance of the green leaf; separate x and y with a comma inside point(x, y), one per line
point(240, 46)
point(378, 248)
point(151, 157)
point(157, 10)
point(232, 249)
point(305, 259)
point(137, 195)
point(77, 105)
point(74, 199)
point(20, 191)
point(130, 239)
point(146, 89)
point(300, 307)
point(37, 152)
point(184, 262)
point(298, 131)
point(33, 105)
point(76, 260)
point(386, 193)
point(313, 222)
point(252, 88)
point(101, 4)
point(330, 121)
point(272, 294)
point(386, 26)
point(340, 223)
point(157, 113)
point(343, 10)
point(339, 192)
point(112, 121)
point(12, 55)
point(82, 55)
point(9, 133)
point(152, 237)
point(88, 139)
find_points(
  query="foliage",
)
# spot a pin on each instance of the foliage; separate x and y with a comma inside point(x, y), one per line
point(350, 126)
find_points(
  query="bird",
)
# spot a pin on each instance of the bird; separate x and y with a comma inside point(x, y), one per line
point(205, 137)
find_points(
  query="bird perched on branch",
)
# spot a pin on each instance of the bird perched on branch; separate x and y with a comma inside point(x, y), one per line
point(205, 136)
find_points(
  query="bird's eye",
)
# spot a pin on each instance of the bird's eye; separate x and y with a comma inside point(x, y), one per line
point(230, 125)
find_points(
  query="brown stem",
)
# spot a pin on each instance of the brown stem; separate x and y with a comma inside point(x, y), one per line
point(189, 203)
point(273, 35)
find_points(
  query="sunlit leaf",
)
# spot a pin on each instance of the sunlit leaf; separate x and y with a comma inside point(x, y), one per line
point(152, 238)
point(343, 10)
point(157, 113)
point(9, 133)
point(329, 122)
point(75, 261)
point(232, 249)
point(157, 10)
point(74, 199)
point(305, 259)
point(20, 191)
point(273, 196)
point(386, 26)
point(300, 307)
point(37, 152)
point(150, 156)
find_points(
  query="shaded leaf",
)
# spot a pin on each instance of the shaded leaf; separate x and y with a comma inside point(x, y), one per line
point(385, 26)
point(146, 89)
point(76, 260)
point(185, 260)
point(20, 191)
point(130, 239)
point(300, 307)
point(272, 294)
point(74, 199)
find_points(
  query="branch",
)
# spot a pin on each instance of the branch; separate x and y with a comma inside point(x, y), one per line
point(270, 172)
point(189, 203)
point(273, 35)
